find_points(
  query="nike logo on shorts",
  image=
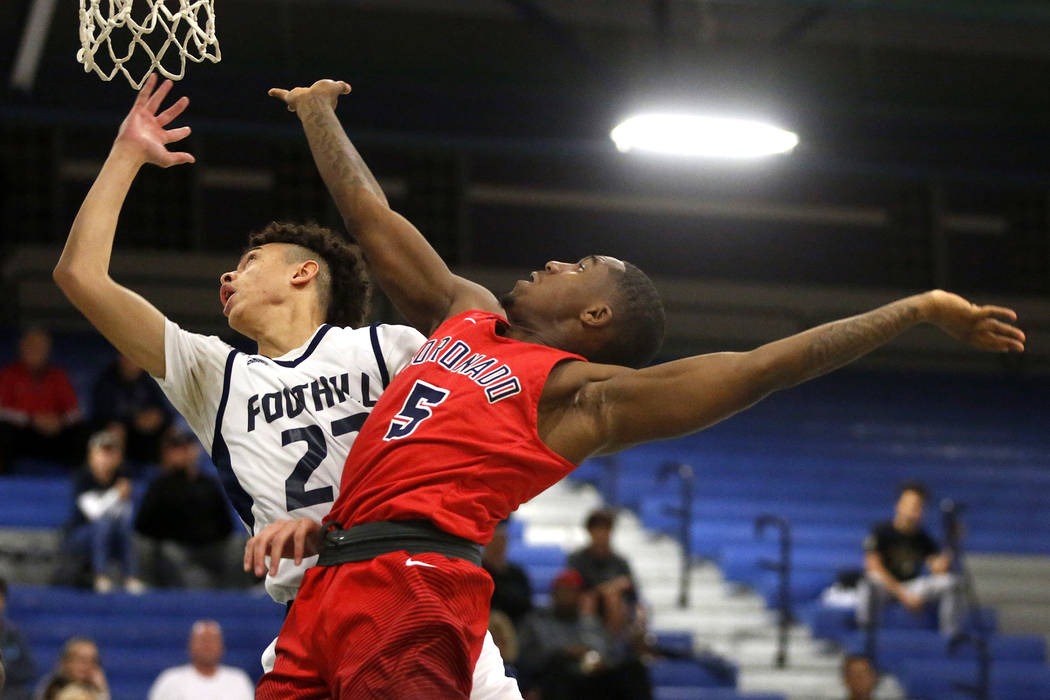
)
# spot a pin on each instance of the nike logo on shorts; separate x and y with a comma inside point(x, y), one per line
point(412, 562)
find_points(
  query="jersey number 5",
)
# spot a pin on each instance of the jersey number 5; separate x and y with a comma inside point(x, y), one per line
point(296, 494)
point(417, 407)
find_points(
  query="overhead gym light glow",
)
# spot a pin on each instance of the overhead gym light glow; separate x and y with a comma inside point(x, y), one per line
point(711, 137)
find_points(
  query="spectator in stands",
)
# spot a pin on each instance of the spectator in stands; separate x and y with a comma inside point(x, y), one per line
point(567, 653)
point(102, 514)
point(126, 399)
point(17, 658)
point(78, 664)
point(39, 414)
point(184, 520)
point(204, 678)
point(859, 677)
point(511, 592)
point(609, 577)
point(894, 555)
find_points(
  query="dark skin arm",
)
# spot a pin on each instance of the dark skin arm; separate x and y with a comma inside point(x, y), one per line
point(588, 408)
point(404, 264)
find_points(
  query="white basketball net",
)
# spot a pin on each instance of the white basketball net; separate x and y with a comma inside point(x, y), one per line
point(188, 30)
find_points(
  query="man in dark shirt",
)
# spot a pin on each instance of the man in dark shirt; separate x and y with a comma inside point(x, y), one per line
point(511, 592)
point(894, 555)
point(566, 652)
point(606, 572)
point(184, 520)
point(125, 396)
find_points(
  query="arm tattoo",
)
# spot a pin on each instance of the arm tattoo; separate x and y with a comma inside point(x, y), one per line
point(841, 342)
point(337, 156)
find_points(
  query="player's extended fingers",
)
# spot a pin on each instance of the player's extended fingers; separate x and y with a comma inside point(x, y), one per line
point(180, 158)
point(173, 135)
point(146, 91)
point(1003, 330)
point(1000, 312)
point(344, 87)
point(153, 104)
point(168, 116)
point(280, 93)
point(249, 554)
point(299, 541)
point(260, 545)
point(280, 541)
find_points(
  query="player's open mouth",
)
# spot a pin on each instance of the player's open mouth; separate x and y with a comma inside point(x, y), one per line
point(226, 293)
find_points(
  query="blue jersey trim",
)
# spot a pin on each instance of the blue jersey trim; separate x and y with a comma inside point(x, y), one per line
point(220, 455)
point(309, 349)
point(384, 374)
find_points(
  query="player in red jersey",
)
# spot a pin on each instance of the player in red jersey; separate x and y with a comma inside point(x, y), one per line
point(498, 405)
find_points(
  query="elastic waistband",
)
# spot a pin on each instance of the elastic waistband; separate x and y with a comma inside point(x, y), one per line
point(370, 540)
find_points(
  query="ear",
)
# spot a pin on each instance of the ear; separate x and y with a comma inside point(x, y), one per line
point(304, 272)
point(596, 315)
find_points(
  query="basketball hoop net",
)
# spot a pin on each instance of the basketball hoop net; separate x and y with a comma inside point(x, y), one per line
point(188, 30)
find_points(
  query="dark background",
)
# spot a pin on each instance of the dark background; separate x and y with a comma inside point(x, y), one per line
point(919, 114)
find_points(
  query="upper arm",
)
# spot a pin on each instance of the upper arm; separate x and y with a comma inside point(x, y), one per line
point(627, 407)
point(133, 325)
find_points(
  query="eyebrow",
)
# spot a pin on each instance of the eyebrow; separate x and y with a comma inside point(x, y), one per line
point(246, 253)
point(590, 258)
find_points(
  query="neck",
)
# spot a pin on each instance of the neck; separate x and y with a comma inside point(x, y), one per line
point(286, 329)
point(904, 525)
point(206, 669)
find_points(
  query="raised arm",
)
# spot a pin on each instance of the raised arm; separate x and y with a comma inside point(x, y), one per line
point(405, 265)
point(132, 324)
point(613, 408)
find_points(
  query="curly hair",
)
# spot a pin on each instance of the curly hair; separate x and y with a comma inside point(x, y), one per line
point(343, 278)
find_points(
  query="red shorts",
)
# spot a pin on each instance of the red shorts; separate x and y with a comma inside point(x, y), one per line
point(383, 628)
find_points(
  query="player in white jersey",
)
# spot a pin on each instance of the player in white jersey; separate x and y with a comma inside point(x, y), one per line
point(278, 424)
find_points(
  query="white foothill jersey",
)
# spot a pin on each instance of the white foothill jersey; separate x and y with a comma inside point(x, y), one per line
point(279, 429)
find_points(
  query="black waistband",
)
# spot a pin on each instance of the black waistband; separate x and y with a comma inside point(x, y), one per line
point(370, 540)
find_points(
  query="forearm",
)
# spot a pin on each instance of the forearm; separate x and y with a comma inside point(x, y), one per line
point(341, 167)
point(89, 246)
point(820, 350)
point(402, 261)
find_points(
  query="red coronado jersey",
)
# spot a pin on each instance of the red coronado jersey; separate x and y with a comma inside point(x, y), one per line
point(453, 438)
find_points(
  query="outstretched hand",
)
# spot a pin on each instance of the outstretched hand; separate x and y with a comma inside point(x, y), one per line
point(288, 539)
point(143, 132)
point(984, 327)
point(328, 91)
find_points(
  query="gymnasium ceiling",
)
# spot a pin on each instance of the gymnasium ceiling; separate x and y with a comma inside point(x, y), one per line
point(935, 84)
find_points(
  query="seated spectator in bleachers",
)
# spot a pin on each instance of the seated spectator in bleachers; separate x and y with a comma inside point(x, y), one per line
point(78, 691)
point(204, 677)
point(184, 520)
point(17, 658)
point(102, 514)
point(566, 652)
point(894, 555)
point(599, 565)
point(125, 398)
point(78, 664)
point(859, 677)
point(608, 575)
point(39, 413)
point(511, 592)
